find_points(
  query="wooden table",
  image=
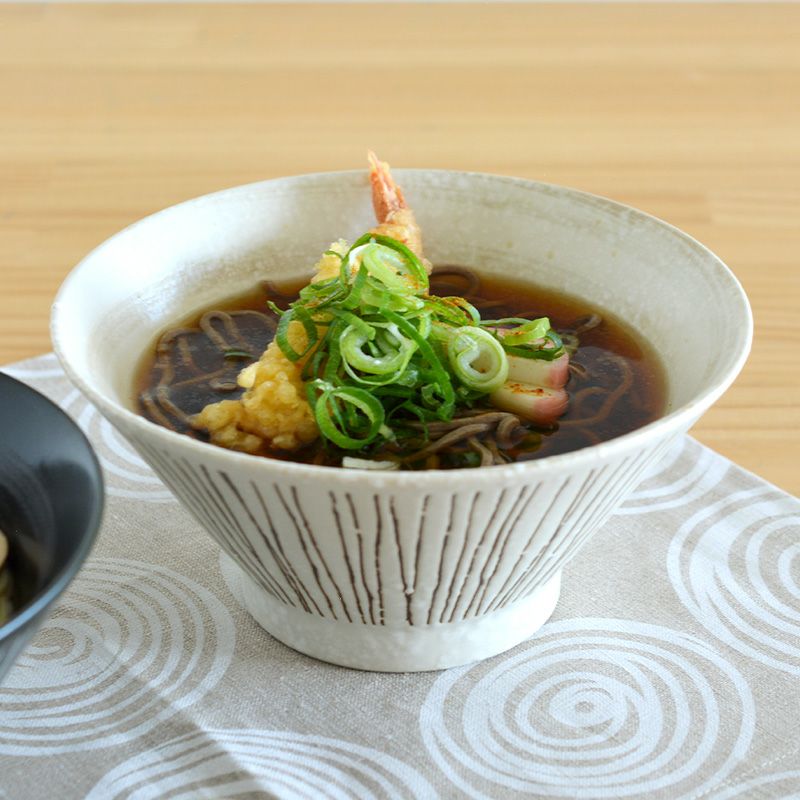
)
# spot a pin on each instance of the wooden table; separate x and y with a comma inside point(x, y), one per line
point(690, 112)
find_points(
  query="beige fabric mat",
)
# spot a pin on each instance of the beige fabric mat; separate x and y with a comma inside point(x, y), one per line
point(670, 668)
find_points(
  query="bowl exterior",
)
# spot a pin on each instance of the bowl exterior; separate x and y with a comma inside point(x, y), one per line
point(394, 578)
point(402, 571)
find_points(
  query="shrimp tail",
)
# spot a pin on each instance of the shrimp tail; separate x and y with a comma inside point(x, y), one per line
point(395, 219)
point(387, 197)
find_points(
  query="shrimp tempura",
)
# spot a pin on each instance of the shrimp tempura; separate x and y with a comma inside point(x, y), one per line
point(273, 412)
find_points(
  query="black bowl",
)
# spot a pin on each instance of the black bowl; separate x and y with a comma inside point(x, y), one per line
point(51, 502)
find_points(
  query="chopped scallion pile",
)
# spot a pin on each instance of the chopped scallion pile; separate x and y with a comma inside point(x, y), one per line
point(381, 352)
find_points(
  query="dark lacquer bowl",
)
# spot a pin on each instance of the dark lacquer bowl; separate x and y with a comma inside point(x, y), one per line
point(51, 501)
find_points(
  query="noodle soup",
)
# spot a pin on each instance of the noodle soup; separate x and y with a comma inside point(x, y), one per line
point(615, 382)
point(458, 565)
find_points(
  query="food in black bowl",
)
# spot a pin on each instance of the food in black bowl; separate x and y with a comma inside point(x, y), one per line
point(51, 500)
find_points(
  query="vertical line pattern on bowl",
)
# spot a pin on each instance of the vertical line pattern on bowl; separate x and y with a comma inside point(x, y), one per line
point(315, 545)
point(304, 546)
point(172, 475)
point(275, 550)
point(182, 479)
point(518, 571)
point(403, 577)
point(555, 559)
point(635, 469)
point(346, 556)
point(488, 574)
point(445, 542)
point(423, 518)
point(459, 564)
point(405, 552)
point(471, 567)
point(361, 563)
point(325, 552)
point(589, 512)
point(550, 561)
point(247, 544)
point(509, 529)
point(581, 501)
point(409, 556)
point(498, 522)
point(577, 512)
point(378, 542)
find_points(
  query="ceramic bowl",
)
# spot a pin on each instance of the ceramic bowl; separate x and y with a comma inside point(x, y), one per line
point(401, 571)
point(51, 500)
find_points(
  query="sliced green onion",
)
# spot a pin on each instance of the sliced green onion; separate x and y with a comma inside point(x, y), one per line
point(424, 324)
point(554, 339)
point(393, 390)
point(415, 266)
point(449, 311)
point(531, 331)
point(424, 414)
point(478, 359)
point(494, 323)
point(393, 359)
point(379, 266)
point(334, 352)
point(530, 339)
point(317, 296)
point(299, 313)
point(430, 395)
point(313, 366)
point(427, 352)
point(381, 351)
point(527, 352)
point(364, 414)
point(356, 322)
point(542, 351)
point(470, 309)
point(379, 297)
point(353, 299)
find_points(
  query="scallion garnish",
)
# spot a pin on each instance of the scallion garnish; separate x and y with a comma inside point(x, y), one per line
point(347, 416)
point(380, 352)
point(478, 359)
point(529, 338)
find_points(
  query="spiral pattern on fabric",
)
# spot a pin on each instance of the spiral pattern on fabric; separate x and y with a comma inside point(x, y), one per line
point(744, 589)
point(269, 763)
point(98, 672)
point(779, 786)
point(684, 474)
point(596, 708)
point(126, 474)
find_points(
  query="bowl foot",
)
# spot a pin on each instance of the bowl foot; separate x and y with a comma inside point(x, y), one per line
point(380, 648)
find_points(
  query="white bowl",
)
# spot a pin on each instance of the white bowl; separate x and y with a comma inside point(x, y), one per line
point(401, 571)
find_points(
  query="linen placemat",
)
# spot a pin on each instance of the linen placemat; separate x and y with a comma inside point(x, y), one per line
point(669, 669)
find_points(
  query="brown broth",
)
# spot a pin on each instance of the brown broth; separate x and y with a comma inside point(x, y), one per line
point(618, 366)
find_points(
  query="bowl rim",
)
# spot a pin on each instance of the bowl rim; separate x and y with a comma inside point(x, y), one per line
point(676, 420)
point(50, 592)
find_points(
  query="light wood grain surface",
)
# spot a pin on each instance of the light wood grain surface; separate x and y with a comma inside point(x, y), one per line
point(690, 112)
